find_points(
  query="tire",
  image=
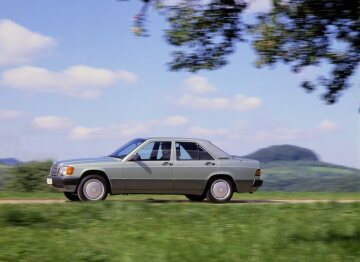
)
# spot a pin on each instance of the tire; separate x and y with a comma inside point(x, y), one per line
point(71, 196)
point(93, 188)
point(220, 190)
point(195, 198)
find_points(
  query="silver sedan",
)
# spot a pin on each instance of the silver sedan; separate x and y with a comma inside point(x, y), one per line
point(195, 168)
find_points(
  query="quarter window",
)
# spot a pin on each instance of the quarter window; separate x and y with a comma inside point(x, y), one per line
point(155, 151)
point(191, 151)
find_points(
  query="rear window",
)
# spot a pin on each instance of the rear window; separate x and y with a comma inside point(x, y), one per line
point(191, 151)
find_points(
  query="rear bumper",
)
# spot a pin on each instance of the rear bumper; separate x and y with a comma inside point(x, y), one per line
point(246, 186)
point(63, 183)
point(257, 183)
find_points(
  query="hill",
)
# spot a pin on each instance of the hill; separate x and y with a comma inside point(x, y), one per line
point(9, 161)
point(283, 153)
point(312, 176)
point(292, 168)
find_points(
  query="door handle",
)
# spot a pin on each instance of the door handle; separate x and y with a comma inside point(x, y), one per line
point(167, 164)
point(210, 164)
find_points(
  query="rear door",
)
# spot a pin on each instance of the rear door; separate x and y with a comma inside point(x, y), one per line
point(192, 166)
point(153, 171)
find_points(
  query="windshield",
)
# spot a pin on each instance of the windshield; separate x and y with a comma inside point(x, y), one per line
point(127, 148)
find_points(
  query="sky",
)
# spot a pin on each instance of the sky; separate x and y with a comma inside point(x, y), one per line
point(76, 82)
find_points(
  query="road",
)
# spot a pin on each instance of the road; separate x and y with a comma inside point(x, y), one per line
point(258, 201)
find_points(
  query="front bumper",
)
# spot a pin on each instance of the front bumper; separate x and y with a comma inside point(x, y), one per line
point(63, 183)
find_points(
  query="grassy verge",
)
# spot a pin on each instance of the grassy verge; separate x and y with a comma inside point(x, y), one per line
point(245, 196)
point(124, 231)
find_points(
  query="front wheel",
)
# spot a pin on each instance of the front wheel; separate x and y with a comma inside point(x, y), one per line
point(71, 196)
point(220, 190)
point(92, 188)
point(195, 198)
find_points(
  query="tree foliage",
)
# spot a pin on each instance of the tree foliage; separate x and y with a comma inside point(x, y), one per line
point(307, 32)
point(30, 177)
point(299, 33)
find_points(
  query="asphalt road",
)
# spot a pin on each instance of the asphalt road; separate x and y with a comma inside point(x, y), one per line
point(258, 201)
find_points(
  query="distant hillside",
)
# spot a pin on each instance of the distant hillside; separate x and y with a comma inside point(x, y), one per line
point(309, 176)
point(292, 168)
point(283, 153)
point(9, 161)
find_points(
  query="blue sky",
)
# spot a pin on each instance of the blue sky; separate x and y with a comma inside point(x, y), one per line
point(75, 82)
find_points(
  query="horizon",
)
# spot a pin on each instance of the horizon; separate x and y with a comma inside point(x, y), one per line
point(243, 156)
point(85, 85)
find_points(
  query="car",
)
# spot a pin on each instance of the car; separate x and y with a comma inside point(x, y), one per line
point(195, 168)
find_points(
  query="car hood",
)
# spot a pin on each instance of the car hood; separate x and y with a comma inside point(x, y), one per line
point(102, 159)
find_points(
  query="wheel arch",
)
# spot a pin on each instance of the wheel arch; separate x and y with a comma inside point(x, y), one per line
point(220, 175)
point(96, 172)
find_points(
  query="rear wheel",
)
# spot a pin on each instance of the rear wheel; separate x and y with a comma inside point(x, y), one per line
point(220, 190)
point(92, 188)
point(71, 196)
point(195, 197)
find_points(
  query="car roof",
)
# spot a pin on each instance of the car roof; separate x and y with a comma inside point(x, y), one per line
point(174, 138)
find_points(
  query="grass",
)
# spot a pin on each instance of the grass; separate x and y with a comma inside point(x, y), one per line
point(133, 231)
point(244, 196)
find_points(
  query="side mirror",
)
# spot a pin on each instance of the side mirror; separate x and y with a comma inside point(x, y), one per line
point(135, 157)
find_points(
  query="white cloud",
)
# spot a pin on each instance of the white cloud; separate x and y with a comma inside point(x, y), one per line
point(255, 6)
point(327, 125)
point(130, 129)
point(245, 103)
point(20, 45)
point(51, 122)
point(183, 2)
point(199, 85)
point(81, 132)
point(290, 133)
point(176, 121)
point(203, 102)
point(239, 102)
point(9, 114)
point(77, 81)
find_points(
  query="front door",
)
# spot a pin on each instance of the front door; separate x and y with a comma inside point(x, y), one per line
point(152, 171)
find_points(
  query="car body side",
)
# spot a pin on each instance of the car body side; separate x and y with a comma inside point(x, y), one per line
point(177, 177)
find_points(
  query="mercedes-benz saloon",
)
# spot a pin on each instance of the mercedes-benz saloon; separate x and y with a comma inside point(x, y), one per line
point(195, 168)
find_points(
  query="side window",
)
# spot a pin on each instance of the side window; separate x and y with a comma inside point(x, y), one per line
point(191, 151)
point(164, 151)
point(155, 151)
point(204, 155)
point(186, 151)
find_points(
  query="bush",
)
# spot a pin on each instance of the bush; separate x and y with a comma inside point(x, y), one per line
point(17, 217)
point(30, 177)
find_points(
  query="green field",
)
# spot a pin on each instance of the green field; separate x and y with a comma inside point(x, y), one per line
point(167, 231)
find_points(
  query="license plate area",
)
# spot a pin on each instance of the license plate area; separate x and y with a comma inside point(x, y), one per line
point(49, 181)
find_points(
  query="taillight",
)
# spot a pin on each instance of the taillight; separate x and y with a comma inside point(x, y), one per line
point(258, 172)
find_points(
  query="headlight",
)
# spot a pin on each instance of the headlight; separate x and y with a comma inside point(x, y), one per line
point(66, 170)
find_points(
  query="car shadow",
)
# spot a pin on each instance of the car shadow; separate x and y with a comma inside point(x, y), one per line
point(164, 201)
